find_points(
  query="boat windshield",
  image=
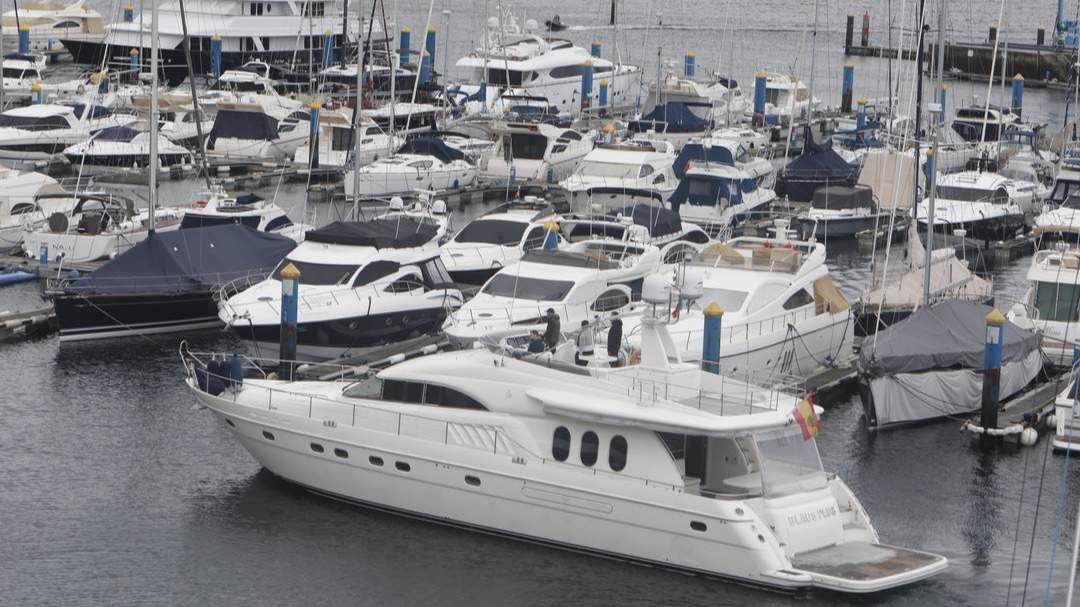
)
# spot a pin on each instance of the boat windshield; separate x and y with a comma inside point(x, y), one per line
point(948, 192)
point(1066, 193)
point(523, 287)
point(318, 273)
point(492, 231)
point(789, 464)
point(728, 299)
point(525, 146)
point(1057, 301)
point(616, 170)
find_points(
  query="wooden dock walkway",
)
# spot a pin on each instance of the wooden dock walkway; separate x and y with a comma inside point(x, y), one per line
point(27, 323)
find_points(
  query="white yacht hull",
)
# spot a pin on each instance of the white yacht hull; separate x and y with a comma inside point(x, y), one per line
point(382, 183)
point(78, 248)
point(466, 475)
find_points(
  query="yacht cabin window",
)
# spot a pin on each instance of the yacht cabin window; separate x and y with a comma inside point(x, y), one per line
point(492, 231)
point(590, 448)
point(499, 77)
point(1067, 193)
point(318, 273)
point(1057, 301)
point(617, 452)
point(421, 165)
point(790, 465)
point(33, 123)
point(535, 239)
point(425, 394)
point(645, 171)
point(374, 271)
point(612, 299)
point(405, 284)
point(560, 444)
point(566, 71)
point(528, 288)
point(798, 300)
point(524, 146)
point(67, 25)
point(996, 196)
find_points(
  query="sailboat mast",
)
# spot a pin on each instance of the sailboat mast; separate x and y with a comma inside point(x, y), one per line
point(359, 111)
point(932, 173)
point(152, 162)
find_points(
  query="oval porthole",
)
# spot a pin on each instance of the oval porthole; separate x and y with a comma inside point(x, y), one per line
point(472, 480)
point(268, 435)
point(698, 526)
point(317, 448)
point(590, 448)
point(560, 444)
point(375, 460)
point(403, 466)
point(617, 453)
point(343, 454)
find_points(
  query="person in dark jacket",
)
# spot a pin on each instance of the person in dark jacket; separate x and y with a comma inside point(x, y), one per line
point(614, 338)
point(536, 342)
point(553, 329)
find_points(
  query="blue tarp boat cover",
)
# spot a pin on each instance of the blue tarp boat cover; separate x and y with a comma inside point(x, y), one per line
point(239, 124)
point(429, 146)
point(818, 165)
point(385, 233)
point(659, 221)
point(696, 153)
point(672, 117)
point(703, 189)
point(187, 260)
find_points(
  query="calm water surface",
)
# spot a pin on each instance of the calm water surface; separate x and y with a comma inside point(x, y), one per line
point(115, 489)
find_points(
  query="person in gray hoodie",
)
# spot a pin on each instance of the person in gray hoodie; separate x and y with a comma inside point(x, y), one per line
point(584, 344)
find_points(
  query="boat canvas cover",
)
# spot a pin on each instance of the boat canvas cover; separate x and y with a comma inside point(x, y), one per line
point(704, 190)
point(179, 261)
point(658, 221)
point(947, 335)
point(818, 165)
point(840, 197)
point(693, 153)
point(429, 146)
point(672, 117)
point(387, 233)
point(236, 124)
point(116, 133)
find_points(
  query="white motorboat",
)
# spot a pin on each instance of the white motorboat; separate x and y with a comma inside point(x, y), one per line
point(515, 64)
point(49, 22)
point(21, 71)
point(336, 144)
point(786, 98)
point(36, 132)
point(840, 212)
point(250, 131)
point(618, 175)
point(420, 164)
point(782, 313)
point(986, 205)
point(580, 281)
point(646, 223)
point(1063, 200)
point(20, 208)
point(362, 285)
point(96, 227)
point(497, 239)
point(534, 152)
point(217, 207)
point(984, 125)
point(722, 96)
point(125, 147)
point(658, 464)
point(1052, 304)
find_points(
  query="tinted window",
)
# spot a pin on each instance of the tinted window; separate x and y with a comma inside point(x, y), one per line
point(590, 447)
point(522, 287)
point(526, 146)
point(560, 444)
point(610, 300)
point(448, 397)
point(405, 284)
point(972, 194)
point(566, 71)
point(798, 300)
point(403, 391)
point(435, 274)
point(500, 76)
point(374, 271)
point(617, 453)
point(535, 239)
point(33, 123)
point(492, 231)
point(318, 273)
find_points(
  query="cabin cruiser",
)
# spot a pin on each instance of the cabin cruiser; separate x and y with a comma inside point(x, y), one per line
point(616, 175)
point(984, 125)
point(36, 132)
point(1024, 160)
point(674, 121)
point(20, 207)
point(246, 131)
point(840, 212)
point(269, 31)
point(498, 238)
point(722, 96)
point(403, 118)
point(986, 205)
point(336, 144)
point(720, 192)
point(218, 208)
point(97, 227)
point(785, 99)
point(657, 463)
point(49, 22)
point(181, 125)
point(578, 281)
point(548, 68)
point(420, 164)
point(1051, 305)
point(782, 313)
point(125, 147)
point(362, 285)
point(21, 72)
point(1060, 214)
point(528, 152)
point(643, 222)
point(818, 165)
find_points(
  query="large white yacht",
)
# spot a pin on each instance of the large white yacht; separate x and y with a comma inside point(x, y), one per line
point(20, 208)
point(424, 163)
point(36, 132)
point(782, 311)
point(986, 205)
point(271, 30)
point(497, 239)
point(615, 175)
point(580, 281)
point(1052, 303)
point(658, 463)
point(551, 69)
point(362, 285)
point(49, 22)
point(534, 152)
point(125, 147)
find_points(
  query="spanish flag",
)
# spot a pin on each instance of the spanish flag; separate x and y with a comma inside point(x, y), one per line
point(807, 418)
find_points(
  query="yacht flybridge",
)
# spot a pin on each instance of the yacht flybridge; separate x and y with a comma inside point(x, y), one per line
point(658, 463)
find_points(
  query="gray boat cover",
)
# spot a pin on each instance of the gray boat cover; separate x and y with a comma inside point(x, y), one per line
point(947, 335)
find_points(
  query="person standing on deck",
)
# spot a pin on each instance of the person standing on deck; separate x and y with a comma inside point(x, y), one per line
point(551, 332)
